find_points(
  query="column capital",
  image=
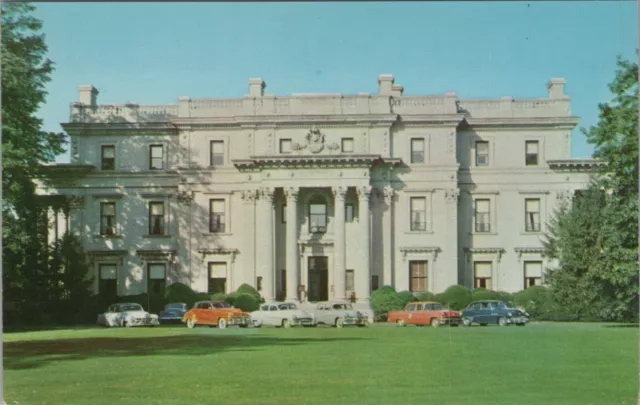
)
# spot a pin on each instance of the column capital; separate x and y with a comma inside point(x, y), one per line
point(249, 196)
point(339, 192)
point(76, 202)
point(451, 195)
point(266, 193)
point(388, 194)
point(364, 192)
point(291, 193)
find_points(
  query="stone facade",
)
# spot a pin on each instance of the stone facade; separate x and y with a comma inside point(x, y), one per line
point(318, 196)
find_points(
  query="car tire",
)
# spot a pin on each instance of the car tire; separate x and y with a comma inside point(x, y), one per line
point(520, 324)
point(285, 323)
point(502, 321)
point(339, 323)
point(401, 322)
point(191, 322)
point(466, 322)
point(435, 322)
point(257, 324)
point(222, 323)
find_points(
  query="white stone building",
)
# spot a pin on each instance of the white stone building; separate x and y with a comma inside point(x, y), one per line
point(316, 196)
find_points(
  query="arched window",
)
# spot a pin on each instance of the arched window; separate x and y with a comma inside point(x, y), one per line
point(317, 215)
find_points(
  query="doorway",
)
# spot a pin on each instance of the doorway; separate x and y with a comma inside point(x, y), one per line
point(318, 278)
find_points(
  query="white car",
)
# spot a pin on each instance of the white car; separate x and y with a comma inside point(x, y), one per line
point(127, 314)
point(339, 314)
point(284, 314)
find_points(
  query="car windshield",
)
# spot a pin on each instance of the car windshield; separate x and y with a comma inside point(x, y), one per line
point(131, 307)
point(288, 305)
point(175, 306)
point(341, 306)
point(436, 306)
point(221, 305)
point(508, 305)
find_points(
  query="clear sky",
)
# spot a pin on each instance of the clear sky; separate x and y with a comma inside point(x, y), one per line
point(152, 53)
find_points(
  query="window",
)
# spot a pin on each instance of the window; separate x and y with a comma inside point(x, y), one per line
point(349, 281)
point(217, 277)
point(532, 274)
point(283, 213)
point(107, 218)
point(418, 213)
point(157, 280)
point(108, 157)
point(347, 145)
point(317, 215)
point(531, 153)
point(217, 153)
point(108, 284)
point(417, 150)
point(156, 218)
point(418, 276)
point(482, 275)
point(482, 216)
point(348, 212)
point(156, 157)
point(216, 216)
point(482, 153)
point(285, 145)
point(374, 283)
point(259, 283)
point(532, 214)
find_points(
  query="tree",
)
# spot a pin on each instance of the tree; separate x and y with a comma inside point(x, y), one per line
point(596, 240)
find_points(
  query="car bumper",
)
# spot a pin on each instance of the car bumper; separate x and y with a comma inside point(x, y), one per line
point(451, 321)
point(239, 320)
point(171, 319)
point(355, 321)
point(518, 320)
point(303, 322)
point(143, 322)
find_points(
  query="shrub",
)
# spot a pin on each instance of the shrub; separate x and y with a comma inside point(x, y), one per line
point(247, 289)
point(426, 296)
point(406, 297)
point(384, 300)
point(482, 294)
point(246, 302)
point(178, 292)
point(218, 297)
point(504, 296)
point(456, 297)
point(202, 297)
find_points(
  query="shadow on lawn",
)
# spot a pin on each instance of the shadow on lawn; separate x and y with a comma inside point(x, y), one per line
point(34, 354)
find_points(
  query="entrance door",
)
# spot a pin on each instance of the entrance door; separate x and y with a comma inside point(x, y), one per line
point(318, 278)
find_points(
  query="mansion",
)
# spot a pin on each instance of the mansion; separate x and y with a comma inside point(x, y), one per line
point(311, 197)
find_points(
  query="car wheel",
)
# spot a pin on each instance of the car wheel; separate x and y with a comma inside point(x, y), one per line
point(401, 322)
point(435, 322)
point(502, 321)
point(285, 323)
point(257, 324)
point(191, 322)
point(520, 324)
point(339, 323)
point(466, 322)
point(222, 323)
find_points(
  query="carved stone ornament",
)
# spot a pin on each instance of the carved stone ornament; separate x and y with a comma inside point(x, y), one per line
point(249, 195)
point(266, 193)
point(340, 193)
point(451, 196)
point(291, 193)
point(76, 202)
point(185, 197)
point(364, 192)
point(333, 146)
point(315, 140)
point(388, 194)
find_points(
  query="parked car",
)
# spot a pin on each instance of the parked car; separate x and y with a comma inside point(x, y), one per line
point(213, 313)
point(493, 312)
point(339, 314)
point(127, 314)
point(173, 312)
point(425, 313)
point(284, 314)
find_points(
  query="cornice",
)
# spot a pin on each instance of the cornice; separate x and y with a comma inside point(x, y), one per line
point(430, 120)
point(576, 165)
point(497, 124)
point(298, 161)
point(286, 121)
point(132, 129)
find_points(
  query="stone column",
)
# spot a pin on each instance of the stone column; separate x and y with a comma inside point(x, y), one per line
point(387, 238)
point(76, 217)
point(363, 272)
point(248, 248)
point(339, 279)
point(293, 273)
point(264, 243)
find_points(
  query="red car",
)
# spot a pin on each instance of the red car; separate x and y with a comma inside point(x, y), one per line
point(425, 314)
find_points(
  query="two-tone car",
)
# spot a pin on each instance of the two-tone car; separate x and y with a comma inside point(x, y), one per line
point(493, 312)
point(339, 313)
point(173, 312)
point(282, 314)
point(214, 313)
point(127, 314)
point(425, 313)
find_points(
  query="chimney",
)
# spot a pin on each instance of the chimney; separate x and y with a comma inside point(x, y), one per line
point(386, 85)
point(256, 87)
point(556, 88)
point(88, 95)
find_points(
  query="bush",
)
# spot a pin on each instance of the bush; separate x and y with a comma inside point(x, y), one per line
point(246, 302)
point(178, 292)
point(456, 297)
point(426, 296)
point(406, 297)
point(218, 297)
point(384, 300)
point(504, 296)
point(482, 294)
point(247, 289)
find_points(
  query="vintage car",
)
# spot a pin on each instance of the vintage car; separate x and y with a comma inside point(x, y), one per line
point(339, 314)
point(493, 312)
point(127, 314)
point(213, 313)
point(424, 314)
point(284, 314)
point(173, 312)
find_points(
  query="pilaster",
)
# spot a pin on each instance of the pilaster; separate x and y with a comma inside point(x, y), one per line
point(292, 260)
point(339, 264)
point(363, 273)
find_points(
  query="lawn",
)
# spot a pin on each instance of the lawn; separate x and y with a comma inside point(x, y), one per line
point(550, 364)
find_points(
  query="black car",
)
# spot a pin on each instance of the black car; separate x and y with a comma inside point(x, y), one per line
point(173, 313)
point(493, 312)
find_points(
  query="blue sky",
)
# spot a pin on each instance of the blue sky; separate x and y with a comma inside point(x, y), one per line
point(152, 53)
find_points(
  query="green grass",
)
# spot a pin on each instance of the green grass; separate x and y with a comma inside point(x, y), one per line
point(549, 364)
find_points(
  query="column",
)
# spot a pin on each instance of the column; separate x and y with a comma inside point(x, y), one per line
point(339, 279)
point(248, 248)
point(264, 243)
point(363, 272)
point(387, 238)
point(76, 216)
point(293, 273)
